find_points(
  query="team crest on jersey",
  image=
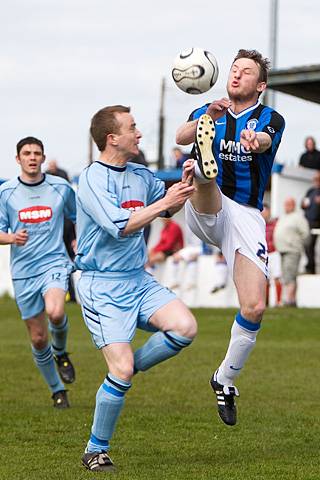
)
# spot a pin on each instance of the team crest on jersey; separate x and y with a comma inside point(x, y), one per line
point(132, 205)
point(252, 124)
point(35, 214)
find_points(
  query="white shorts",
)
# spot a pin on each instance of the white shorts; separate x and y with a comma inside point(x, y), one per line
point(275, 265)
point(235, 228)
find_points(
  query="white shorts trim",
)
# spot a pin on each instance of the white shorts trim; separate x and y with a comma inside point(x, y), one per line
point(235, 228)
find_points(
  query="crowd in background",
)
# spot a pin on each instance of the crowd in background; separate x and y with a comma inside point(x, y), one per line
point(291, 238)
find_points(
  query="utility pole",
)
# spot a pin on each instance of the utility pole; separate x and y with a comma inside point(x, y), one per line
point(161, 126)
point(273, 48)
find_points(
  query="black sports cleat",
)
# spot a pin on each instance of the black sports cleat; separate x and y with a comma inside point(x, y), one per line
point(98, 462)
point(65, 368)
point(60, 399)
point(203, 147)
point(225, 399)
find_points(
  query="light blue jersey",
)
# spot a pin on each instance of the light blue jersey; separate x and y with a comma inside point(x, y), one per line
point(40, 209)
point(106, 197)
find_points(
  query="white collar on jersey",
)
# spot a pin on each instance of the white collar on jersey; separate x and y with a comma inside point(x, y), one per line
point(249, 109)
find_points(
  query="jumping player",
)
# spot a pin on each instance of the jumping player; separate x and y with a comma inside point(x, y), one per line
point(32, 207)
point(116, 200)
point(236, 140)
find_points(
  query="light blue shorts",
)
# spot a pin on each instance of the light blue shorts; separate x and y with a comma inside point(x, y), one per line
point(29, 292)
point(114, 308)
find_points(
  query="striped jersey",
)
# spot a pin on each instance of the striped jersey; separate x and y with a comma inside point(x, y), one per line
point(243, 175)
point(106, 197)
point(39, 208)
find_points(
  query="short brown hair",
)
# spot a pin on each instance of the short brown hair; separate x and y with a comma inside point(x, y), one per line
point(104, 122)
point(29, 141)
point(263, 63)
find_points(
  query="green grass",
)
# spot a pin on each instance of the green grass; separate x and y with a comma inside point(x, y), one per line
point(169, 428)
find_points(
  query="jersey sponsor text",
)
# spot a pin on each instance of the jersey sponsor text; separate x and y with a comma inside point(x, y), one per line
point(35, 214)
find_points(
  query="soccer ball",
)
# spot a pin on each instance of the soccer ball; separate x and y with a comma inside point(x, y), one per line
point(195, 70)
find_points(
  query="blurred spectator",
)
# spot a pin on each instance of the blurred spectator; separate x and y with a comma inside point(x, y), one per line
point(274, 256)
point(311, 207)
point(290, 235)
point(179, 157)
point(53, 169)
point(191, 250)
point(311, 157)
point(189, 255)
point(69, 232)
point(221, 273)
point(140, 158)
point(171, 240)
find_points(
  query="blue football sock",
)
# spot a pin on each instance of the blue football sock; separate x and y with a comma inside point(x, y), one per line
point(45, 362)
point(59, 336)
point(109, 403)
point(159, 347)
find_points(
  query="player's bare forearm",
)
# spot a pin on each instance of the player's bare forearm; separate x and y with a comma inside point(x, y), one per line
point(144, 216)
point(264, 142)
point(186, 133)
point(174, 200)
point(6, 238)
point(257, 142)
point(19, 238)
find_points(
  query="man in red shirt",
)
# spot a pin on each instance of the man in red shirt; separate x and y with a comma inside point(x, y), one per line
point(171, 240)
point(274, 257)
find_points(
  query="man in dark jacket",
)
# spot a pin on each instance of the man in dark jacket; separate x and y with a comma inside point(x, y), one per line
point(311, 206)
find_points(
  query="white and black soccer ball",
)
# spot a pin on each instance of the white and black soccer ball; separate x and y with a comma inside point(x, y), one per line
point(195, 70)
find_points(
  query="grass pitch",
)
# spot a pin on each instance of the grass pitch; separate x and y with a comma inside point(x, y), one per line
point(169, 428)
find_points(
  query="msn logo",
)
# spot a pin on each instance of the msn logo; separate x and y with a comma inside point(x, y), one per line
point(231, 147)
point(35, 214)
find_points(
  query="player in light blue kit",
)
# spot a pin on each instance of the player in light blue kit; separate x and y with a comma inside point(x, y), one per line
point(116, 200)
point(32, 210)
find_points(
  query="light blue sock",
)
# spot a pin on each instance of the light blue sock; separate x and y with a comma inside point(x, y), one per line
point(59, 336)
point(159, 347)
point(109, 403)
point(44, 361)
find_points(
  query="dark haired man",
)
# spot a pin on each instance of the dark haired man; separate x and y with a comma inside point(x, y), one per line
point(116, 200)
point(236, 140)
point(311, 157)
point(32, 207)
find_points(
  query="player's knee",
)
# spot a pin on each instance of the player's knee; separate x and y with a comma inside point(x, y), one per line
point(122, 370)
point(55, 314)
point(39, 340)
point(254, 311)
point(188, 327)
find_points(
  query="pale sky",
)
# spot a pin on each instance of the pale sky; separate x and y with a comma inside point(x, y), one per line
point(61, 61)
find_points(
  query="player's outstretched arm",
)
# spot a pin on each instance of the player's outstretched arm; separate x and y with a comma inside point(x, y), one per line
point(257, 142)
point(173, 201)
point(19, 238)
point(186, 133)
